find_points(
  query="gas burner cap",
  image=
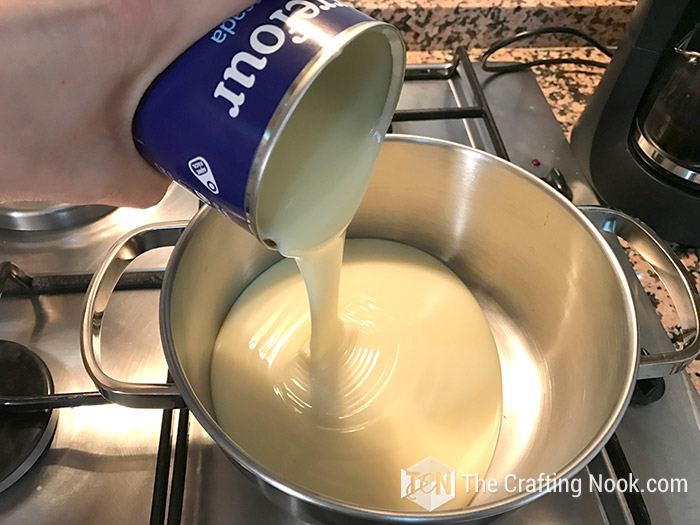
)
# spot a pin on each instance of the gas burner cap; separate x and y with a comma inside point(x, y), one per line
point(23, 436)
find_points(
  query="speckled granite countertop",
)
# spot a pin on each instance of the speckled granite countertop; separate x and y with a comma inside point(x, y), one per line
point(567, 89)
point(446, 24)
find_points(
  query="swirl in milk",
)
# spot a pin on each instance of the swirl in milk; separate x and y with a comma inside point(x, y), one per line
point(415, 373)
point(370, 363)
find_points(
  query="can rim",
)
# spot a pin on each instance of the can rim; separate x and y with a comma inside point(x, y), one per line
point(278, 122)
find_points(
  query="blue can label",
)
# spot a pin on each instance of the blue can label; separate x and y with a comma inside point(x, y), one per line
point(202, 120)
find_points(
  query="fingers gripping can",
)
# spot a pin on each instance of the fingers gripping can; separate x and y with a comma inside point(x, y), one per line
point(211, 120)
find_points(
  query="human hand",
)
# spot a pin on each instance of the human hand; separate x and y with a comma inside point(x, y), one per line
point(73, 72)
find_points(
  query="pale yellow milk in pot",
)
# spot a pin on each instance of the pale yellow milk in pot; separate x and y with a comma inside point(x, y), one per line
point(400, 364)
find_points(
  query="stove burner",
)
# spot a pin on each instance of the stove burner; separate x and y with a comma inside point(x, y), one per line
point(42, 216)
point(23, 436)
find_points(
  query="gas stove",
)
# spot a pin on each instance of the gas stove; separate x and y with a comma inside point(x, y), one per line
point(87, 461)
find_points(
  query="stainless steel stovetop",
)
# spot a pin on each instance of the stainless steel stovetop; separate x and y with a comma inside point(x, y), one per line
point(111, 465)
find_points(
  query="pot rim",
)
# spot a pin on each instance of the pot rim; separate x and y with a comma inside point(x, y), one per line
point(354, 512)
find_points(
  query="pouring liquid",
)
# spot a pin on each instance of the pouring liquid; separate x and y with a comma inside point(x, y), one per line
point(338, 374)
point(414, 373)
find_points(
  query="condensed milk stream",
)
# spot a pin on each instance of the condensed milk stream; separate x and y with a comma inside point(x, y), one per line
point(335, 377)
point(333, 372)
point(415, 374)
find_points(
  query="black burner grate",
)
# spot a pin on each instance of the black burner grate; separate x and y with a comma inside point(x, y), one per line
point(480, 110)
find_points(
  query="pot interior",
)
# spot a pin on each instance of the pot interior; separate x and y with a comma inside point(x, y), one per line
point(554, 297)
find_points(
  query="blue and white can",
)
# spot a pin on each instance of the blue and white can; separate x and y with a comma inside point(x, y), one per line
point(212, 118)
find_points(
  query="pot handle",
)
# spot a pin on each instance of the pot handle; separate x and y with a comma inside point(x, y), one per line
point(678, 281)
point(124, 251)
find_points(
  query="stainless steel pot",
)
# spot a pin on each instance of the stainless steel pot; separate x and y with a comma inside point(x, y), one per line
point(555, 296)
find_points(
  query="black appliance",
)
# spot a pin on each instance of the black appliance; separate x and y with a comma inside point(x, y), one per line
point(638, 140)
